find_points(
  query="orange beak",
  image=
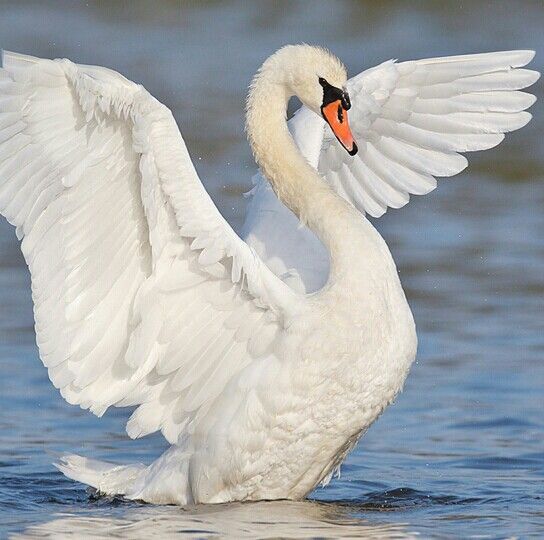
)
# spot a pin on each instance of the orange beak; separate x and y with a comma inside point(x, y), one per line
point(337, 117)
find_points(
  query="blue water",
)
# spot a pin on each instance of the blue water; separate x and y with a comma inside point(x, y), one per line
point(461, 453)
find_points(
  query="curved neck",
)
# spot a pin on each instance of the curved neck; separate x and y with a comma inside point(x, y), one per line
point(296, 183)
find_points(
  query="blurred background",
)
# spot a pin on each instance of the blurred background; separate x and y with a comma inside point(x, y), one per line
point(462, 451)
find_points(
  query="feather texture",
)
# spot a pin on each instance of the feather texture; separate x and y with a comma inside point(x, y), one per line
point(412, 119)
point(144, 296)
point(127, 252)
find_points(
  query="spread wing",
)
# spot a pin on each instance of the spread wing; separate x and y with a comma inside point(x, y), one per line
point(143, 294)
point(411, 120)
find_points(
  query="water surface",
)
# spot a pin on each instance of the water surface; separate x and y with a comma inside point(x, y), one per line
point(461, 453)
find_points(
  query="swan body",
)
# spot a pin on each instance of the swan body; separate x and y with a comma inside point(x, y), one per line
point(263, 360)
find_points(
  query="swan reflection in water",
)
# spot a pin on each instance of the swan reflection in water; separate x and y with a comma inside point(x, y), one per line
point(277, 519)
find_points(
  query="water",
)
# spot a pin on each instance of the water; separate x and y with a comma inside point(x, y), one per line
point(461, 453)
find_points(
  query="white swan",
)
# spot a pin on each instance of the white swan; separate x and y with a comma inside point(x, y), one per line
point(261, 362)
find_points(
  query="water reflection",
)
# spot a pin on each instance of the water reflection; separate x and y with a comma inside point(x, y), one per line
point(252, 520)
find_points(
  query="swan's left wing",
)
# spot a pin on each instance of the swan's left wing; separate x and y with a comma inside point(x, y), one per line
point(412, 119)
point(143, 294)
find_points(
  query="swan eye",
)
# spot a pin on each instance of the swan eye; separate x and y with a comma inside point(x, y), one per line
point(331, 94)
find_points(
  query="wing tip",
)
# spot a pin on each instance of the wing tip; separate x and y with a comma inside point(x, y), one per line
point(463, 164)
point(524, 118)
point(15, 59)
point(529, 54)
point(531, 99)
point(535, 74)
point(523, 56)
point(515, 58)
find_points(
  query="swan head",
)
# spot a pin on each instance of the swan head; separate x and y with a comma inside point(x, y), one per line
point(318, 79)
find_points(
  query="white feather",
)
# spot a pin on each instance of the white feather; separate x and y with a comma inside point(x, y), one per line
point(418, 114)
point(112, 245)
point(144, 296)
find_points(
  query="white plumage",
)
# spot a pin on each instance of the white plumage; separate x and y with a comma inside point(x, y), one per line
point(144, 296)
point(410, 120)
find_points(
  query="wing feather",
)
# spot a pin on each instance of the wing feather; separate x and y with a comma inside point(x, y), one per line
point(412, 119)
point(143, 294)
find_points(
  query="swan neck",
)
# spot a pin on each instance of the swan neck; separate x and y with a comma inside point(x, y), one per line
point(296, 183)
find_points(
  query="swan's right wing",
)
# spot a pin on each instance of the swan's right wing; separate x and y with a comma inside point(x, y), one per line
point(411, 121)
point(143, 294)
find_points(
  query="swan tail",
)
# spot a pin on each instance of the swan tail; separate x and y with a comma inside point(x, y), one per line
point(107, 478)
point(165, 481)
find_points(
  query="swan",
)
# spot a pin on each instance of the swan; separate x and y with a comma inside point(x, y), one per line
point(264, 358)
